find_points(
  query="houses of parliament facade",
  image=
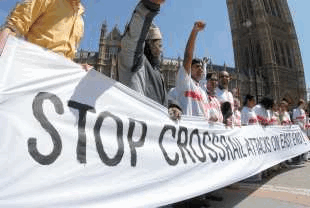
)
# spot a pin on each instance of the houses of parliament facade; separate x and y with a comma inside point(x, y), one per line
point(267, 56)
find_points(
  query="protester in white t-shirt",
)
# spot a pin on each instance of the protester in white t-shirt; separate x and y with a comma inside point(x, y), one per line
point(284, 116)
point(223, 95)
point(262, 111)
point(188, 93)
point(237, 113)
point(248, 115)
point(299, 114)
point(214, 108)
point(275, 119)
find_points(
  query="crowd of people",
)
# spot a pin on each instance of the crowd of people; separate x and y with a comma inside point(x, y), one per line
point(139, 63)
point(58, 25)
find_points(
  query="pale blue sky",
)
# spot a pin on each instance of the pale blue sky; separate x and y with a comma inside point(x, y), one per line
point(176, 20)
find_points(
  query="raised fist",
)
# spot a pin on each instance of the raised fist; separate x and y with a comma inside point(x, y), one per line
point(157, 1)
point(199, 25)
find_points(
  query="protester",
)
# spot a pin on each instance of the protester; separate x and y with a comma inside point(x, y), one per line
point(275, 119)
point(139, 58)
point(203, 81)
point(189, 94)
point(248, 115)
point(283, 113)
point(214, 109)
point(299, 118)
point(299, 114)
point(227, 114)
point(223, 95)
point(262, 111)
point(53, 24)
point(237, 113)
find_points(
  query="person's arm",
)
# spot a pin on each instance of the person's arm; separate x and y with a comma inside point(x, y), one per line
point(295, 115)
point(21, 18)
point(190, 46)
point(132, 44)
point(25, 14)
point(4, 34)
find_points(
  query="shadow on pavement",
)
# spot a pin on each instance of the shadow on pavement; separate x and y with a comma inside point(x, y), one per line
point(232, 195)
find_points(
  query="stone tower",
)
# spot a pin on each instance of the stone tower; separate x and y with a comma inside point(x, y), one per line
point(101, 65)
point(266, 49)
point(109, 47)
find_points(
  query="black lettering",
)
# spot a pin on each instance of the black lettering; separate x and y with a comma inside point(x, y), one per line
point(215, 157)
point(81, 145)
point(235, 149)
point(134, 144)
point(249, 148)
point(251, 142)
point(216, 138)
point(282, 141)
point(227, 147)
point(240, 147)
point(195, 132)
point(259, 145)
point(267, 144)
point(37, 108)
point(161, 138)
point(102, 154)
point(182, 145)
point(275, 143)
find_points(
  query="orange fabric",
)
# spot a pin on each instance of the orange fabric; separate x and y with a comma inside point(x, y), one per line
point(53, 24)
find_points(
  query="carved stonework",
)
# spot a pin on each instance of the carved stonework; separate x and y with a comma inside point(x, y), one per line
point(266, 46)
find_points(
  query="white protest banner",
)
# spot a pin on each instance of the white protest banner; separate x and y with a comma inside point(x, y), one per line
point(75, 139)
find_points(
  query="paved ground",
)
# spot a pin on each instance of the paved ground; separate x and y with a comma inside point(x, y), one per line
point(289, 187)
point(286, 188)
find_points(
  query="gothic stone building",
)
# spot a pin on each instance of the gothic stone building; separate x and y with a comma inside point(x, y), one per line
point(267, 55)
point(105, 61)
point(266, 49)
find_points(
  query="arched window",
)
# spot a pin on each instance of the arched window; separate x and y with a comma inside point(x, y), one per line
point(246, 58)
point(107, 54)
point(250, 8)
point(274, 10)
point(276, 52)
point(267, 6)
point(241, 18)
point(259, 55)
point(283, 55)
point(244, 10)
point(252, 55)
point(289, 56)
point(278, 8)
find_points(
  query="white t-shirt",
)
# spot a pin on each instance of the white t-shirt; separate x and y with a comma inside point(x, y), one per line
point(263, 115)
point(188, 93)
point(275, 120)
point(237, 118)
point(299, 117)
point(214, 109)
point(248, 116)
point(225, 96)
point(286, 119)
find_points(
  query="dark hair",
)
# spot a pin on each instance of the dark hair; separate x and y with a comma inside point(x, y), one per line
point(211, 75)
point(147, 51)
point(247, 98)
point(267, 103)
point(226, 111)
point(155, 62)
point(196, 61)
point(301, 101)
